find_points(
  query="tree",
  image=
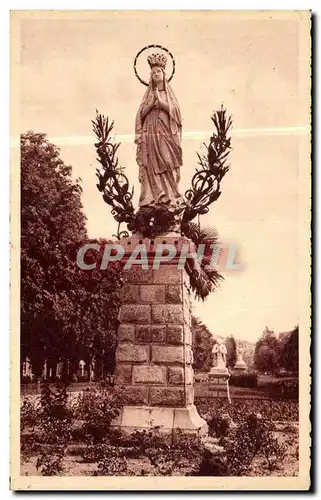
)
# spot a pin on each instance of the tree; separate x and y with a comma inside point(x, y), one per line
point(203, 343)
point(231, 351)
point(207, 279)
point(63, 308)
point(266, 355)
point(289, 356)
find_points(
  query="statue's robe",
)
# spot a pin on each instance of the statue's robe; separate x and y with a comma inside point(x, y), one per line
point(159, 152)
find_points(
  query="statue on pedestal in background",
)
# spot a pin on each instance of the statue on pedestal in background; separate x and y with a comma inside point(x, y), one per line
point(219, 374)
point(219, 359)
point(240, 364)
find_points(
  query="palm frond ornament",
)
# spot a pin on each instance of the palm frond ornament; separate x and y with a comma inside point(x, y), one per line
point(206, 182)
point(113, 183)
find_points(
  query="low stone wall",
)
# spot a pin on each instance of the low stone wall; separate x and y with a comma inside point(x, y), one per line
point(204, 390)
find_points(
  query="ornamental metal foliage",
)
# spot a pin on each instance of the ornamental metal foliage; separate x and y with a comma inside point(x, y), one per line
point(206, 182)
point(113, 183)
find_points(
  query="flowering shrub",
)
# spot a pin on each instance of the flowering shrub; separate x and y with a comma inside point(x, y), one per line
point(182, 454)
point(50, 465)
point(96, 409)
point(251, 438)
point(54, 416)
point(28, 414)
point(211, 465)
point(220, 425)
point(46, 421)
point(112, 466)
point(286, 388)
point(238, 409)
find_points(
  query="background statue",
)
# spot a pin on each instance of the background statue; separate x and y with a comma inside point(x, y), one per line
point(158, 131)
point(219, 351)
point(240, 364)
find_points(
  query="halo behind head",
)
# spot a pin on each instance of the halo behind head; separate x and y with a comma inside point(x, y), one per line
point(161, 59)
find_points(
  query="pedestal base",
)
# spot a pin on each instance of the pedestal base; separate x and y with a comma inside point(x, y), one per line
point(218, 383)
point(216, 370)
point(168, 419)
point(240, 368)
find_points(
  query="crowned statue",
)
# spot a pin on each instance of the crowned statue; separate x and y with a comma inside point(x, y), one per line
point(158, 133)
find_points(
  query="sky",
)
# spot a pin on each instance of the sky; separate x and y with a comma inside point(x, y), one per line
point(255, 64)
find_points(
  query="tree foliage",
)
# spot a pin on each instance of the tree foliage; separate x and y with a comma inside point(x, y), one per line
point(231, 351)
point(289, 355)
point(266, 355)
point(207, 279)
point(203, 343)
point(65, 311)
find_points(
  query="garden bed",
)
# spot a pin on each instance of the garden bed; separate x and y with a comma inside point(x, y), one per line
point(63, 435)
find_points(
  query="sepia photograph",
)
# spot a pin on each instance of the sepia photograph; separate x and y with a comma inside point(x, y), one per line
point(160, 250)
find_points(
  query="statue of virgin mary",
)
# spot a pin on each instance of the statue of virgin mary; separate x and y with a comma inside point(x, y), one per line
point(158, 131)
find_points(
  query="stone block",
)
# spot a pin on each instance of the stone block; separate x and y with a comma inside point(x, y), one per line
point(123, 374)
point(189, 395)
point(126, 333)
point(214, 393)
point(167, 396)
point(130, 294)
point(137, 276)
point(174, 294)
point(167, 274)
point(158, 333)
point(143, 333)
point(189, 376)
point(149, 374)
point(143, 417)
point(187, 316)
point(152, 294)
point(188, 335)
point(132, 353)
point(189, 355)
point(167, 354)
point(188, 420)
point(167, 313)
point(171, 420)
point(222, 394)
point(139, 314)
point(134, 395)
point(175, 375)
point(175, 334)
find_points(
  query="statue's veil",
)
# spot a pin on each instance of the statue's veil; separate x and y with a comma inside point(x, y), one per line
point(174, 111)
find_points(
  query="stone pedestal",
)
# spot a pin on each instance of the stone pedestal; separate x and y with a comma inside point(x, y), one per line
point(240, 365)
point(218, 382)
point(154, 354)
point(239, 368)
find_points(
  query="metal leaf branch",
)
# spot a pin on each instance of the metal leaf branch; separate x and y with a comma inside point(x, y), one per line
point(113, 183)
point(206, 181)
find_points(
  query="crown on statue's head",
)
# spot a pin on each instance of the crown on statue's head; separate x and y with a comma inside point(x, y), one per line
point(157, 60)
